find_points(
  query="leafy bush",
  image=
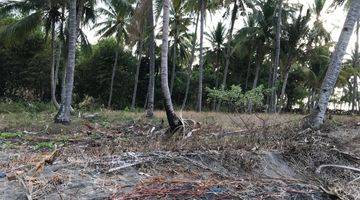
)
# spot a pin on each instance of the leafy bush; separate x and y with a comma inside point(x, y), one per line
point(238, 99)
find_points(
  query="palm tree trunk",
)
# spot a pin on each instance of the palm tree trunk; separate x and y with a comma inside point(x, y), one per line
point(248, 74)
point(355, 65)
point(285, 81)
point(228, 48)
point(63, 86)
point(137, 76)
point(113, 74)
point(257, 69)
point(173, 71)
point(63, 115)
point(214, 106)
point(318, 114)
point(258, 62)
point(201, 67)
point(277, 59)
point(53, 62)
point(151, 86)
point(173, 119)
point(190, 63)
point(283, 88)
point(58, 59)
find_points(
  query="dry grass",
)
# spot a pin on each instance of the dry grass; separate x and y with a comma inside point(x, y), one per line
point(236, 121)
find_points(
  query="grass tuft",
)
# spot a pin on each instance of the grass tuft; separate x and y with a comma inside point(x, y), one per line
point(8, 135)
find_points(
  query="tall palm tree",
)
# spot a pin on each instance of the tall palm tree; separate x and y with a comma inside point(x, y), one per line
point(217, 40)
point(211, 6)
point(118, 15)
point(173, 120)
point(136, 31)
point(317, 116)
point(179, 23)
point(238, 5)
point(355, 98)
point(63, 116)
point(260, 33)
point(201, 56)
point(277, 57)
point(297, 30)
point(151, 86)
point(191, 61)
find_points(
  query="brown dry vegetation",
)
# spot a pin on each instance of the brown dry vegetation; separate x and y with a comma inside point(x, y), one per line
point(122, 155)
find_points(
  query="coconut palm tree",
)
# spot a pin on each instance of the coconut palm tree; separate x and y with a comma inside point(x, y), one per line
point(260, 33)
point(204, 6)
point(217, 40)
point(201, 56)
point(238, 6)
point(356, 55)
point(118, 15)
point(276, 66)
point(173, 120)
point(136, 31)
point(191, 61)
point(63, 116)
point(179, 25)
point(293, 45)
point(317, 116)
point(151, 86)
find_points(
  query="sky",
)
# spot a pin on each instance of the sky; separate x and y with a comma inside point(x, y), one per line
point(333, 20)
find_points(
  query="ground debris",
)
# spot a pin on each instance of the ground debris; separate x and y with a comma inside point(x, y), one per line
point(103, 159)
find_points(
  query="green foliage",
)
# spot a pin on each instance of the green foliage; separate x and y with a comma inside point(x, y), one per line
point(237, 98)
point(93, 75)
point(9, 135)
point(44, 145)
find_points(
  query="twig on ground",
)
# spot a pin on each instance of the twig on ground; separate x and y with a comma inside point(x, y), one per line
point(28, 189)
point(318, 170)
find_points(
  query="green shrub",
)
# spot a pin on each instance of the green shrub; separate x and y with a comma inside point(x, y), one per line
point(236, 98)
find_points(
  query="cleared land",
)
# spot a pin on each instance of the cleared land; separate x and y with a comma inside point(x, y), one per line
point(122, 155)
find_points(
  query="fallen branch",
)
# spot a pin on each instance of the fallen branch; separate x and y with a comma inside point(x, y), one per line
point(318, 170)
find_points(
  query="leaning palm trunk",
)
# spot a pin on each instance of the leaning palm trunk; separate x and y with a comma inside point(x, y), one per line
point(277, 59)
point(113, 75)
point(188, 79)
point(173, 119)
point(53, 63)
point(201, 67)
point(151, 87)
point(137, 76)
point(63, 115)
point(228, 50)
point(317, 116)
